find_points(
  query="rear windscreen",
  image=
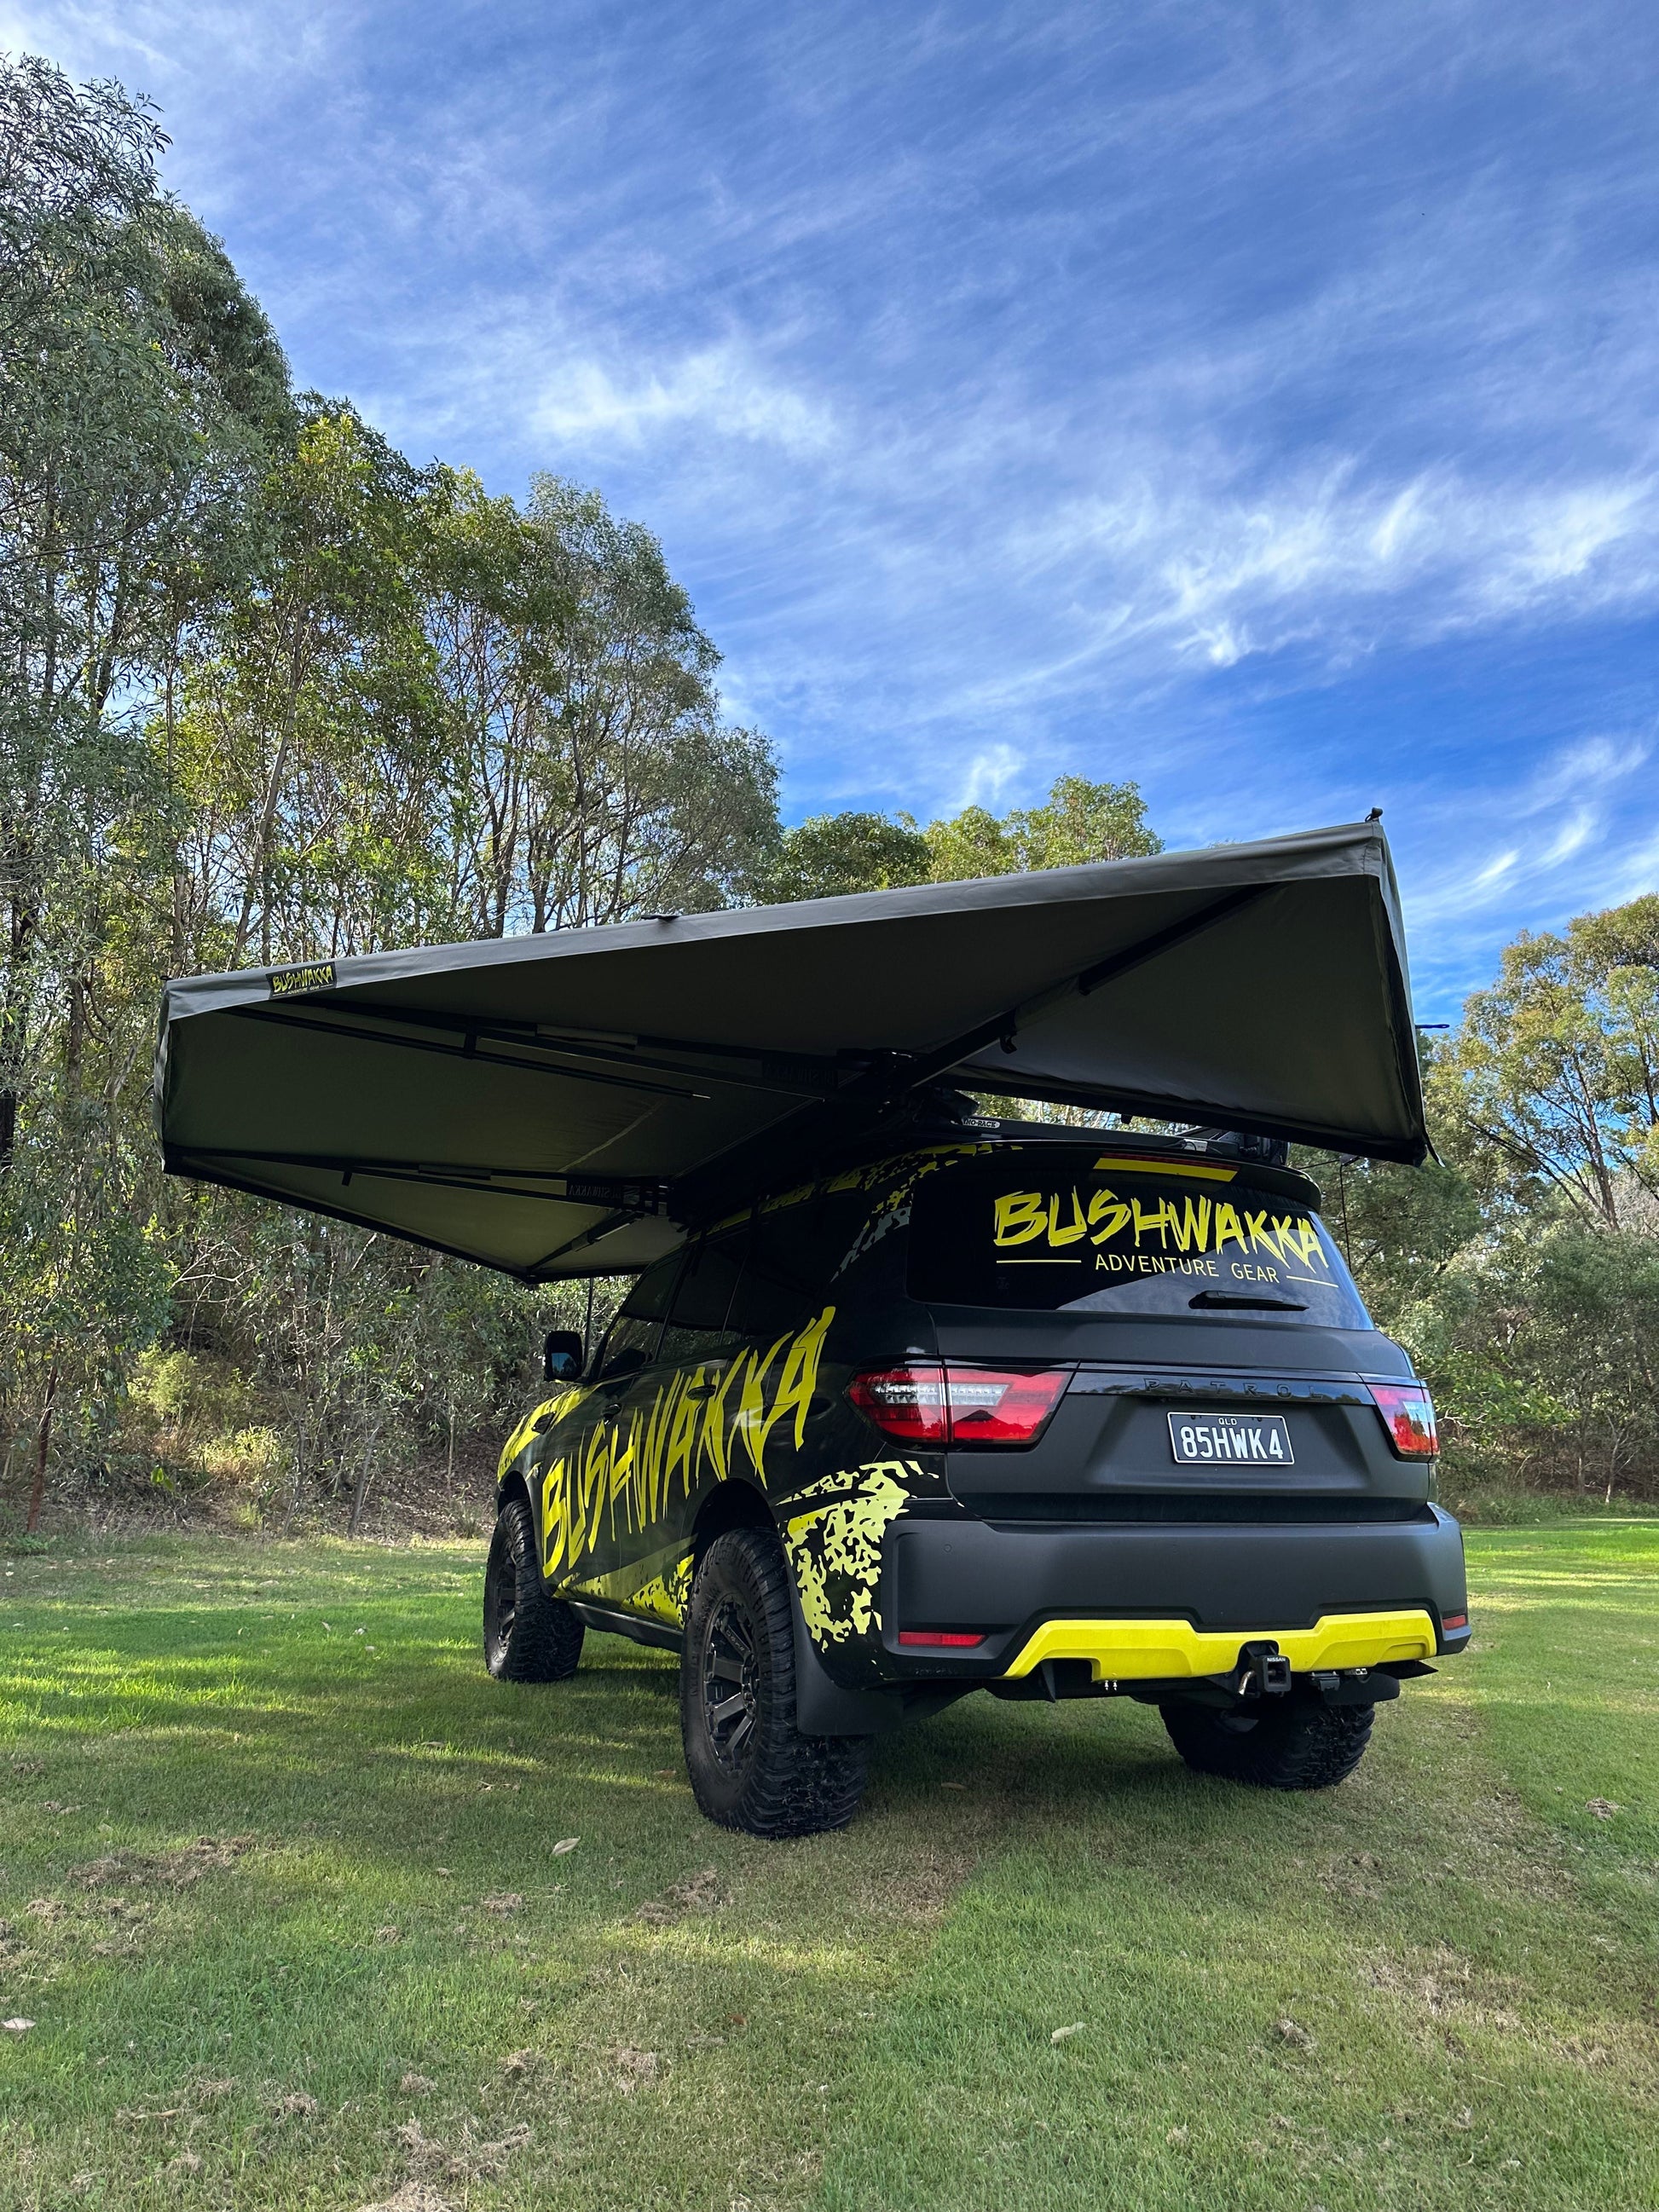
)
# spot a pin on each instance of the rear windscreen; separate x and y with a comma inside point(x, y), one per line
point(1106, 1237)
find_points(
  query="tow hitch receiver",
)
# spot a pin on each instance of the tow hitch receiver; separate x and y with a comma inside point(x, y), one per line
point(1263, 1671)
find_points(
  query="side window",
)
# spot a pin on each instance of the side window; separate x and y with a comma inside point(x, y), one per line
point(696, 1326)
point(792, 1253)
point(630, 1342)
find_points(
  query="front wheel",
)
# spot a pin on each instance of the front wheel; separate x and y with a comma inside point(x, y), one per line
point(750, 1766)
point(1298, 1743)
point(528, 1636)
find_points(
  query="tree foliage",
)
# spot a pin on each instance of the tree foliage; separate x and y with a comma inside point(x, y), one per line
point(1522, 1273)
point(1081, 822)
point(273, 692)
point(1551, 1084)
point(829, 856)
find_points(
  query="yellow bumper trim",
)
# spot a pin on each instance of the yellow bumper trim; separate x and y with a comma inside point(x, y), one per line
point(1143, 1651)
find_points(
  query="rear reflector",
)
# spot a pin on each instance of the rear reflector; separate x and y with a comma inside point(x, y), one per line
point(961, 1406)
point(939, 1638)
point(1450, 1621)
point(1408, 1416)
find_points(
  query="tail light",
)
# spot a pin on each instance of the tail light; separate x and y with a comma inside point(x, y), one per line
point(941, 1639)
point(907, 1402)
point(1407, 1415)
point(960, 1406)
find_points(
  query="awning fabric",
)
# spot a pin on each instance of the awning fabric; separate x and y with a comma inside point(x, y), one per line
point(557, 1105)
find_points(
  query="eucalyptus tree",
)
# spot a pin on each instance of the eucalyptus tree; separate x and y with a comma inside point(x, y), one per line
point(830, 854)
point(308, 739)
point(1079, 821)
point(138, 385)
point(595, 776)
point(1549, 1088)
point(138, 382)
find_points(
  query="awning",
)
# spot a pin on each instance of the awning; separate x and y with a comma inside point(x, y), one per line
point(558, 1105)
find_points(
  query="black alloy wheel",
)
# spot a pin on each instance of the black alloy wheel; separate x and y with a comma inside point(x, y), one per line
point(729, 1675)
point(528, 1636)
point(1295, 1742)
point(750, 1766)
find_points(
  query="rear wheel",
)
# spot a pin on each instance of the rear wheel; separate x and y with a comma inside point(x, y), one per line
point(1298, 1743)
point(750, 1766)
point(529, 1637)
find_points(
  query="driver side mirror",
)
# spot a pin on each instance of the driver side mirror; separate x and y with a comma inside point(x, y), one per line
point(562, 1356)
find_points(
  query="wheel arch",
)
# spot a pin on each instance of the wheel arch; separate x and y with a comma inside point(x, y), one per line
point(824, 1708)
point(733, 1504)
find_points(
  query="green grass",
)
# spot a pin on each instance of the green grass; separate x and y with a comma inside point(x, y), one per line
point(1435, 1986)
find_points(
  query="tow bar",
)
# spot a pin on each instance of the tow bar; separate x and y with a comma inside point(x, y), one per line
point(1262, 1671)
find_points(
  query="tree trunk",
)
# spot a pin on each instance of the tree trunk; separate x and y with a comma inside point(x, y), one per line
point(42, 1446)
point(364, 1476)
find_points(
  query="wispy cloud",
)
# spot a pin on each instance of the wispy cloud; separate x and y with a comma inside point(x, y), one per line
point(1572, 836)
point(718, 390)
point(1256, 403)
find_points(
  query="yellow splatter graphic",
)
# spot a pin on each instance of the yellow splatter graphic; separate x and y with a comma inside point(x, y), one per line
point(834, 1545)
point(666, 1595)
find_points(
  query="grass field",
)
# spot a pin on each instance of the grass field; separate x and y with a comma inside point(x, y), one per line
point(283, 1893)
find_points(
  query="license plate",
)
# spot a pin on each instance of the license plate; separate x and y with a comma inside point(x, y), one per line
point(1231, 1440)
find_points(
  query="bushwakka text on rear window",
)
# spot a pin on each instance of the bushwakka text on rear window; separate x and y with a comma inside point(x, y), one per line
point(1124, 1237)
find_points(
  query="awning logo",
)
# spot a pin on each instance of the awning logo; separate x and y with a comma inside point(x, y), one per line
point(315, 975)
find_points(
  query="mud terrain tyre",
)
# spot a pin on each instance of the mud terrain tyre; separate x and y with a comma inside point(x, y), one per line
point(528, 1636)
point(750, 1767)
point(1300, 1743)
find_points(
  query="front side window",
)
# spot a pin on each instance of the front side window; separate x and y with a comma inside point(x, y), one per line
point(1076, 1234)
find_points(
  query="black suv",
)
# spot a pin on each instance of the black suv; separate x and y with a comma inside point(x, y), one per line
point(1014, 1406)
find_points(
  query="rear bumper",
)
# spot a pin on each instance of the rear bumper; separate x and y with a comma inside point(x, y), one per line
point(1174, 1651)
point(1141, 1602)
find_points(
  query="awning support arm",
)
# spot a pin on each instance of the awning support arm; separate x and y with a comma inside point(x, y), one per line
point(802, 1074)
point(595, 1234)
point(630, 1194)
point(466, 1049)
point(1002, 1029)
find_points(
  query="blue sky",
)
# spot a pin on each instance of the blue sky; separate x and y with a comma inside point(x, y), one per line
point(1255, 401)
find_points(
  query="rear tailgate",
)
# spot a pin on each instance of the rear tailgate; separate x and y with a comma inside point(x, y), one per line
point(1185, 1443)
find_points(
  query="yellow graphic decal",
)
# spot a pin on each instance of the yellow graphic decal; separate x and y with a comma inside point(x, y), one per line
point(896, 1180)
point(665, 1593)
point(318, 975)
point(630, 1470)
point(834, 1545)
point(537, 1419)
point(1193, 1171)
point(1126, 1235)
